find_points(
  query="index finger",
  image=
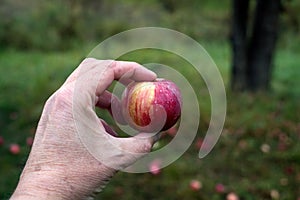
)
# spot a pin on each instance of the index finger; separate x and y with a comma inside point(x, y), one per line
point(125, 72)
point(95, 76)
point(131, 71)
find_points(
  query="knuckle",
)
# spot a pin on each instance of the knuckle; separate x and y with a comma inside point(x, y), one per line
point(88, 60)
point(146, 147)
point(60, 100)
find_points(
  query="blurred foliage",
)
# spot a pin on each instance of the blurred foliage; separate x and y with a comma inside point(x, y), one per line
point(257, 156)
point(55, 25)
point(52, 25)
point(34, 24)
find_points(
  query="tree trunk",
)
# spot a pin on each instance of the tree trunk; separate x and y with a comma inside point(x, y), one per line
point(239, 44)
point(261, 48)
point(252, 55)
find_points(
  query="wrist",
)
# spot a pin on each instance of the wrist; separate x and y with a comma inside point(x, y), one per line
point(40, 186)
point(59, 184)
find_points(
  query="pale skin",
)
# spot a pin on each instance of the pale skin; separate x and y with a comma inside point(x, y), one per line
point(59, 165)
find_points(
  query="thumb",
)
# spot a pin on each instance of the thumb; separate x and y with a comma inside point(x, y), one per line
point(136, 147)
point(142, 142)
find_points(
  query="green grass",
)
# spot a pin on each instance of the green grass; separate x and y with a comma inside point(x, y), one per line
point(258, 151)
point(253, 120)
point(27, 79)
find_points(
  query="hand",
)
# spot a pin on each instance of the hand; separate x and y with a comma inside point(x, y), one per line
point(60, 166)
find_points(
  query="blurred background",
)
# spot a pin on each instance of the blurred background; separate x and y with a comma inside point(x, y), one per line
point(255, 44)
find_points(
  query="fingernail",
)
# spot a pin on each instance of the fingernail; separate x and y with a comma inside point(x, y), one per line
point(146, 74)
point(156, 137)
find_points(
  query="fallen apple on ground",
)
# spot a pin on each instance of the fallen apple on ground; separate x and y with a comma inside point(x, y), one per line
point(152, 106)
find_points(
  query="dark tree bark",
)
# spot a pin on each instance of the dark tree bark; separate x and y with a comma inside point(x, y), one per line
point(253, 53)
point(239, 44)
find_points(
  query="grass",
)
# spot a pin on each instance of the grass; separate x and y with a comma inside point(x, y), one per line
point(27, 80)
point(256, 156)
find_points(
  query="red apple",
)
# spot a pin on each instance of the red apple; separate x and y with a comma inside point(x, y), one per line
point(152, 106)
point(1, 140)
point(232, 196)
point(29, 141)
point(155, 167)
point(195, 185)
point(14, 149)
point(220, 188)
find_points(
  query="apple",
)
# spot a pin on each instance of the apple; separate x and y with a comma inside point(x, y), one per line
point(195, 185)
point(14, 149)
point(155, 167)
point(1, 141)
point(220, 188)
point(152, 106)
point(29, 141)
point(232, 196)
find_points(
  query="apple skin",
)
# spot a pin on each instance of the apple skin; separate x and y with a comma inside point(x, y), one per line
point(159, 100)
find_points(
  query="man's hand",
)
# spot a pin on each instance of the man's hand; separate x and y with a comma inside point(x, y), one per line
point(61, 164)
